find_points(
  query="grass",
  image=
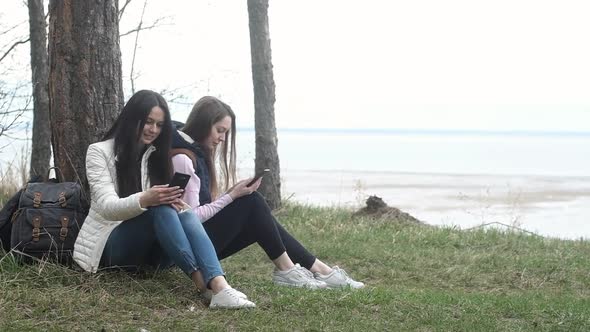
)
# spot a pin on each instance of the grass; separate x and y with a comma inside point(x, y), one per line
point(418, 278)
point(13, 175)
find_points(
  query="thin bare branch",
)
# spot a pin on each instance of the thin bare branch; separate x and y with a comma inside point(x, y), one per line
point(16, 111)
point(13, 107)
point(7, 100)
point(6, 127)
point(13, 138)
point(122, 10)
point(135, 46)
point(12, 47)
point(155, 24)
point(12, 28)
point(178, 95)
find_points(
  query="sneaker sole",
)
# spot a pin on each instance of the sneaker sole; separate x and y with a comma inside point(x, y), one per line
point(231, 307)
point(281, 283)
point(345, 287)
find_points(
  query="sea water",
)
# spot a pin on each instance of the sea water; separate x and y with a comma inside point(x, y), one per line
point(538, 182)
point(446, 152)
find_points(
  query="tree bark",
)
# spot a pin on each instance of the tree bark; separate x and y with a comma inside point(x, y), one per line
point(85, 84)
point(264, 98)
point(41, 144)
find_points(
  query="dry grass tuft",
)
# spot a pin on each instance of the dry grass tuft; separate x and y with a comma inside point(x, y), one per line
point(13, 176)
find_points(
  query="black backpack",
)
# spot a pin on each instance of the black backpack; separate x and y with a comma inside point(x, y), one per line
point(45, 220)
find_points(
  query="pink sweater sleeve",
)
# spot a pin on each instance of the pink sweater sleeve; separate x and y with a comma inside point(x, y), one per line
point(183, 164)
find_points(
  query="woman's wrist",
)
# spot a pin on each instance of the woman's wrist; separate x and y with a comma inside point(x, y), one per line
point(142, 201)
point(231, 195)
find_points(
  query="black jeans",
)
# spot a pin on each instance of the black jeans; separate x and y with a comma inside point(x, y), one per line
point(248, 220)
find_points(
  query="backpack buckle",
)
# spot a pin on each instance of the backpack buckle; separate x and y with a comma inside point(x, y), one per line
point(62, 199)
point(63, 232)
point(36, 228)
point(37, 200)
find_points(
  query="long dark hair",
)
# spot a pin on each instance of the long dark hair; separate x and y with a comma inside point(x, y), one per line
point(206, 112)
point(127, 131)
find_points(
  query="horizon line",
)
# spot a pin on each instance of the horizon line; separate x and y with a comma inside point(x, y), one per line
point(425, 131)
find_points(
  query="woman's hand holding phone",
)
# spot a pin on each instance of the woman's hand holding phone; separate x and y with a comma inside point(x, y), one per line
point(258, 176)
point(242, 189)
point(160, 195)
point(248, 186)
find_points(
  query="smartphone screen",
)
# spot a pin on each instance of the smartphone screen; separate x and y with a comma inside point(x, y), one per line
point(179, 180)
point(258, 176)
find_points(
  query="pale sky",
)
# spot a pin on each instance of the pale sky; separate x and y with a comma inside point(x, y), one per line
point(491, 65)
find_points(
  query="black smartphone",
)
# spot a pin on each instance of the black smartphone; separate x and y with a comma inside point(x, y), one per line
point(258, 176)
point(179, 180)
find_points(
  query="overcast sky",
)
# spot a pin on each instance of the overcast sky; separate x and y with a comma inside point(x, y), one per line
point(491, 65)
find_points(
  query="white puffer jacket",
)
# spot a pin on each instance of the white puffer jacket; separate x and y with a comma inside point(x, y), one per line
point(107, 209)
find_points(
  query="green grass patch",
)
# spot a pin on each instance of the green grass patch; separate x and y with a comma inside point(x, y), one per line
point(419, 278)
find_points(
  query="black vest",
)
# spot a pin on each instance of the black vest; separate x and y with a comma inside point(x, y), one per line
point(202, 171)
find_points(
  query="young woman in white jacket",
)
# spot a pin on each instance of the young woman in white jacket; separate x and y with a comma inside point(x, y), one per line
point(135, 219)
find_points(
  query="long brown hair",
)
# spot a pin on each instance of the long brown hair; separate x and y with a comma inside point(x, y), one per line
point(206, 112)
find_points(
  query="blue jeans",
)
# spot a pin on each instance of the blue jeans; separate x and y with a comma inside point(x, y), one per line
point(161, 237)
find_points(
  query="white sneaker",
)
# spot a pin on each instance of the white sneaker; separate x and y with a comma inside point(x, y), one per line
point(208, 294)
point(297, 276)
point(338, 278)
point(229, 298)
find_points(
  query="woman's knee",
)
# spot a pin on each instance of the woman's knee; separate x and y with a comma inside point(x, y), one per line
point(189, 216)
point(163, 215)
point(253, 201)
point(161, 210)
point(191, 223)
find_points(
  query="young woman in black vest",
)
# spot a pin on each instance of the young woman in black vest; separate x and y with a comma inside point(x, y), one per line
point(239, 216)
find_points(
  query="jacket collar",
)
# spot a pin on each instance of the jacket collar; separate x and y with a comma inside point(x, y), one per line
point(145, 179)
point(186, 137)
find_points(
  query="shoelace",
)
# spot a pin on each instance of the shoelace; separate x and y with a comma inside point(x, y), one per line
point(310, 276)
point(231, 292)
point(347, 278)
point(307, 273)
point(345, 275)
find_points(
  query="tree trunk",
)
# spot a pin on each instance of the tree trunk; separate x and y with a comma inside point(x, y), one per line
point(41, 145)
point(264, 99)
point(85, 86)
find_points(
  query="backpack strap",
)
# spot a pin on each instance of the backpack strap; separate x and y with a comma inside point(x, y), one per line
point(36, 228)
point(62, 199)
point(187, 152)
point(58, 174)
point(37, 200)
point(63, 232)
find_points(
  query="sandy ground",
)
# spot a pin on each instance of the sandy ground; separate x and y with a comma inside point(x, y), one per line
point(549, 206)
